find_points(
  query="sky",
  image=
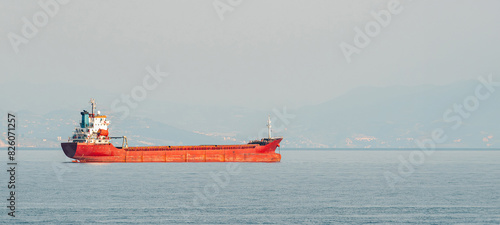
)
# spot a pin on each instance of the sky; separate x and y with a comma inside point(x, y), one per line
point(257, 54)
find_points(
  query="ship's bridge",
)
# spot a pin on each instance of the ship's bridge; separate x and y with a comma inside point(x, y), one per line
point(93, 128)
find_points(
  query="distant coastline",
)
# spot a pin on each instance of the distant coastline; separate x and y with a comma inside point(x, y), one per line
point(392, 149)
point(336, 149)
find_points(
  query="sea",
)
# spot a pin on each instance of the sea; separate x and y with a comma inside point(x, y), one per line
point(306, 187)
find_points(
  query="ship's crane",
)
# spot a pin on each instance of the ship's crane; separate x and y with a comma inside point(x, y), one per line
point(125, 141)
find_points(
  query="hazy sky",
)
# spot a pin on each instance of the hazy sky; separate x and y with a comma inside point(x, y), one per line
point(262, 54)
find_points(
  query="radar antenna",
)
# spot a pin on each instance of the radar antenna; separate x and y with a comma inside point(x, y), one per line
point(92, 102)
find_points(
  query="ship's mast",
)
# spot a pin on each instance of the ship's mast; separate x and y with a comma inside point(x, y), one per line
point(92, 102)
point(269, 126)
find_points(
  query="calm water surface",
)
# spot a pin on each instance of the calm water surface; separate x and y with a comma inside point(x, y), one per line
point(328, 187)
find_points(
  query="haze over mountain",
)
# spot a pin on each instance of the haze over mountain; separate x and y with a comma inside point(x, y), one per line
point(365, 117)
point(396, 116)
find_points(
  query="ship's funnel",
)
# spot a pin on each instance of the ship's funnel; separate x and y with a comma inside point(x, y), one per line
point(85, 119)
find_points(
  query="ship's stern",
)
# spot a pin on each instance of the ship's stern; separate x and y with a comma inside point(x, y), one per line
point(69, 148)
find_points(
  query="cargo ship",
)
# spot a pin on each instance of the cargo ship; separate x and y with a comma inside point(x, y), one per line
point(91, 143)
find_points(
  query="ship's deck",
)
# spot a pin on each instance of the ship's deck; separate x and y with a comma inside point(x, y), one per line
point(197, 147)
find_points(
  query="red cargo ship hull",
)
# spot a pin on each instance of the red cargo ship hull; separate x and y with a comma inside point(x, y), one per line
point(90, 152)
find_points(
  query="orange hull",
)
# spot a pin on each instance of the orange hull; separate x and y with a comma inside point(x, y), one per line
point(84, 152)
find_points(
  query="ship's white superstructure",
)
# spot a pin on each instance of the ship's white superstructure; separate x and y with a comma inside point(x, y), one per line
point(93, 128)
